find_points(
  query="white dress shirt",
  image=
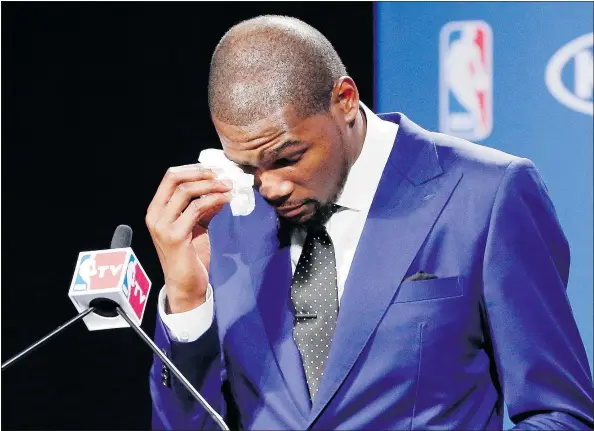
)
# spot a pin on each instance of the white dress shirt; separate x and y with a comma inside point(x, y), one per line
point(344, 227)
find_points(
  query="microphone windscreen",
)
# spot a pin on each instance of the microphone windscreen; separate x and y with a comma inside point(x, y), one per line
point(122, 237)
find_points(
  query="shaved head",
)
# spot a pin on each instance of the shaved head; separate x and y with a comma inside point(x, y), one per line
point(266, 63)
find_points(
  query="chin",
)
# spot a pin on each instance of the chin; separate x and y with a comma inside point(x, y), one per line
point(298, 219)
point(304, 218)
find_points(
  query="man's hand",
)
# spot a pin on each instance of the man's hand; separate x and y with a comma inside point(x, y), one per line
point(187, 199)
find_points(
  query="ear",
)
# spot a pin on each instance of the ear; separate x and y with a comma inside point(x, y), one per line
point(345, 100)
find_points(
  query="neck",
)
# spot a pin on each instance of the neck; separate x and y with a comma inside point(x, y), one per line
point(359, 133)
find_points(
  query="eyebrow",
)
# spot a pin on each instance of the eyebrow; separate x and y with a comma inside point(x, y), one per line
point(277, 150)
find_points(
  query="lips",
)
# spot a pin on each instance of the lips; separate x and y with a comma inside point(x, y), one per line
point(290, 211)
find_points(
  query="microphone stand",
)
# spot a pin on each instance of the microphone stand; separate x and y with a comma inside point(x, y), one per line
point(105, 307)
point(52, 334)
point(108, 308)
point(212, 412)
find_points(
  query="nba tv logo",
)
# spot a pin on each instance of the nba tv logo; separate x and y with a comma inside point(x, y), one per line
point(466, 79)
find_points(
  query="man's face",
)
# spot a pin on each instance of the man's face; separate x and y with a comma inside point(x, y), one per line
point(299, 165)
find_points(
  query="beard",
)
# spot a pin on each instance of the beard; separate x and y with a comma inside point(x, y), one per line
point(325, 207)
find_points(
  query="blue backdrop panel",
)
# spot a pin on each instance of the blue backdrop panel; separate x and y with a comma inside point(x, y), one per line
point(512, 76)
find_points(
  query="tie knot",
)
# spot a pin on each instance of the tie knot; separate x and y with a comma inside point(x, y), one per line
point(322, 217)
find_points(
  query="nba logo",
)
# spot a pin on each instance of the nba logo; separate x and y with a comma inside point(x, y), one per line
point(466, 79)
point(136, 286)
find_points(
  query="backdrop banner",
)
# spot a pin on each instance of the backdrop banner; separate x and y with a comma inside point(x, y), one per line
point(513, 76)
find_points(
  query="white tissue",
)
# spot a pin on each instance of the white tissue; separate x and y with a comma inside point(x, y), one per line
point(242, 193)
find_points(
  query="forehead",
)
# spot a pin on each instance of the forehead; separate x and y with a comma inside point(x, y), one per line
point(249, 136)
point(241, 142)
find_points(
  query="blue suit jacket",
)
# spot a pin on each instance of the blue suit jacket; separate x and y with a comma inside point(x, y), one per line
point(495, 326)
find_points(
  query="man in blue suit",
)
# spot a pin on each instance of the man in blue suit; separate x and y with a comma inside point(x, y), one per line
point(388, 278)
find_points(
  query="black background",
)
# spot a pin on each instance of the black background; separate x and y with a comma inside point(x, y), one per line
point(98, 99)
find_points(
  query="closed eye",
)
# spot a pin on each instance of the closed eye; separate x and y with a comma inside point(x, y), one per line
point(288, 161)
point(277, 164)
point(281, 163)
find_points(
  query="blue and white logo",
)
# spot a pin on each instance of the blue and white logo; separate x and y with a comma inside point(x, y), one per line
point(466, 79)
point(569, 75)
point(86, 270)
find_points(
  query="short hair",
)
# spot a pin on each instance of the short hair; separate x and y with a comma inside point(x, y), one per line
point(266, 63)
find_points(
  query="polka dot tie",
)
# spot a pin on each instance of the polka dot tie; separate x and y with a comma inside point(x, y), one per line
point(314, 294)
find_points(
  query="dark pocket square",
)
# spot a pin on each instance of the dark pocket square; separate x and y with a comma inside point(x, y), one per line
point(421, 275)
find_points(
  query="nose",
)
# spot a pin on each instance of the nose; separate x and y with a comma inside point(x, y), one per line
point(272, 187)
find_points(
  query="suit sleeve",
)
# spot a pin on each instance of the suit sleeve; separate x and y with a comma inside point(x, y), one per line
point(200, 361)
point(539, 355)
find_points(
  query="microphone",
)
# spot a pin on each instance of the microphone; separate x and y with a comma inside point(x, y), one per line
point(109, 289)
point(122, 238)
point(103, 278)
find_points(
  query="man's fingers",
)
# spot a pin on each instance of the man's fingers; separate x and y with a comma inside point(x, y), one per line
point(186, 192)
point(200, 211)
point(173, 177)
point(209, 215)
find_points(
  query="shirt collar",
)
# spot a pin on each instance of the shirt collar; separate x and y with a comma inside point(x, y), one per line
point(365, 174)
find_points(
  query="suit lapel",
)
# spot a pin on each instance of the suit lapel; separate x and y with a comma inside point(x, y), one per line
point(254, 242)
point(270, 269)
point(410, 196)
point(272, 283)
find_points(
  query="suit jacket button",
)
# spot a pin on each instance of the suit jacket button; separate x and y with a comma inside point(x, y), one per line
point(165, 377)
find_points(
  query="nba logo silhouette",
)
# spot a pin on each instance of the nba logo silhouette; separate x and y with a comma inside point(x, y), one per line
point(466, 79)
